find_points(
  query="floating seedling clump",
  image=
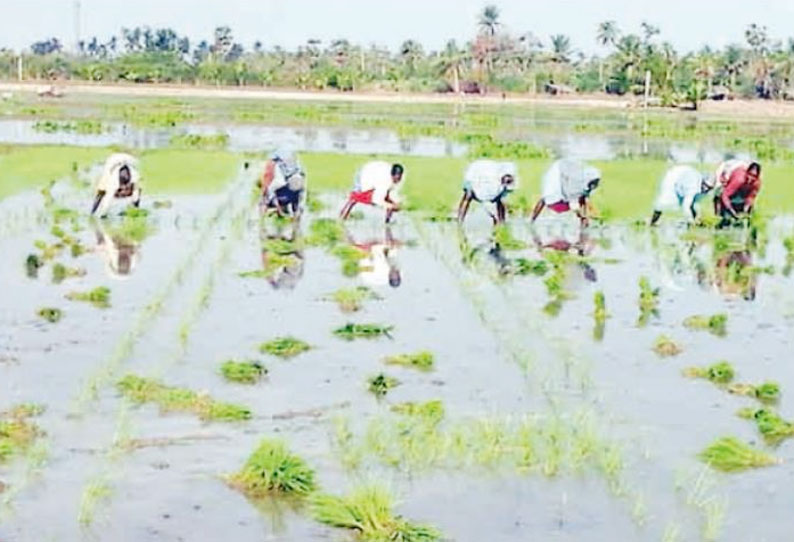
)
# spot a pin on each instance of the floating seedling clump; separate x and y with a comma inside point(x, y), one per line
point(60, 272)
point(369, 511)
point(243, 372)
point(284, 347)
point(51, 314)
point(648, 301)
point(350, 331)
point(273, 469)
point(666, 347)
point(98, 297)
point(729, 454)
point(17, 432)
point(325, 232)
point(767, 392)
point(432, 411)
point(380, 384)
point(772, 427)
point(720, 373)
point(352, 299)
point(716, 324)
point(32, 265)
point(350, 257)
point(423, 361)
point(505, 240)
point(170, 399)
point(600, 315)
point(523, 266)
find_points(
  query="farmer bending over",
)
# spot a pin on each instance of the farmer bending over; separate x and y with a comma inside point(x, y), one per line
point(284, 184)
point(739, 194)
point(681, 188)
point(487, 181)
point(568, 182)
point(376, 183)
point(120, 180)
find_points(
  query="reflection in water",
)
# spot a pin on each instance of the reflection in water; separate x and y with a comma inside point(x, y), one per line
point(379, 266)
point(489, 248)
point(734, 275)
point(119, 252)
point(282, 257)
point(582, 246)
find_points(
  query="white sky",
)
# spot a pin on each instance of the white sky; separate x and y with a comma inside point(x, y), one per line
point(688, 24)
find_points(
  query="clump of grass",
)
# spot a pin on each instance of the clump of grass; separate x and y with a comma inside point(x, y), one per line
point(720, 373)
point(273, 470)
point(325, 232)
point(716, 324)
point(162, 204)
point(380, 384)
point(600, 315)
point(523, 266)
point(432, 411)
point(352, 299)
point(200, 141)
point(729, 454)
point(281, 246)
point(666, 347)
point(32, 265)
point(772, 427)
point(98, 297)
point(284, 347)
point(423, 361)
point(767, 392)
point(369, 511)
point(17, 432)
point(60, 272)
point(274, 263)
point(351, 331)
point(648, 301)
point(243, 372)
point(170, 399)
point(350, 257)
point(51, 314)
point(504, 238)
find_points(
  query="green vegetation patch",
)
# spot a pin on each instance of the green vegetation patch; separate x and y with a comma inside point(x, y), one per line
point(772, 427)
point(503, 237)
point(351, 331)
point(369, 512)
point(32, 265)
point(648, 302)
point(243, 372)
point(380, 384)
point(423, 361)
point(284, 347)
point(666, 347)
point(199, 141)
point(51, 314)
point(720, 373)
point(325, 232)
point(17, 433)
point(61, 272)
point(350, 257)
point(729, 454)
point(273, 470)
point(431, 411)
point(187, 171)
point(82, 126)
point(352, 299)
point(170, 399)
point(716, 324)
point(766, 392)
point(523, 266)
point(98, 297)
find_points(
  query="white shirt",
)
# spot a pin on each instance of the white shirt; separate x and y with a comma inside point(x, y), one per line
point(376, 176)
point(680, 188)
point(566, 180)
point(109, 182)
point(484, 179)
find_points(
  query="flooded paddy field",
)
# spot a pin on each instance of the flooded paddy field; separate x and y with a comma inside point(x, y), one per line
point(527, 383)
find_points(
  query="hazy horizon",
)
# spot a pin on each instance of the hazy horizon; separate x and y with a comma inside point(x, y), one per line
point(285, 23)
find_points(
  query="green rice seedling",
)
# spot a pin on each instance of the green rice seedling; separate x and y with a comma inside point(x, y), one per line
point(380, 384)
point(369, 511)
point(98, 297)
point(351, 331)
point(350, 257)
point(170, 399)
point(51, 314)
point(32, 265)
point(325, 232)
point(17, 433)
point(284, 347)
point(281, 247)
point(60, 272)
point(505, 240)
point(767, 392)
point(273, 470)
point(716, 324)
point(666, 347)
point(648, 302)
point(275, 262)
point(162, 204)
point(352, 299)
point(720, 373)
point(48, 252)
point(423, 361)
point(600, 315)
point(432, 411)
point(729, 454)
point(523, 266)
point(200, 141)
point(135, 212)
point(772, 427)
point(243, 372)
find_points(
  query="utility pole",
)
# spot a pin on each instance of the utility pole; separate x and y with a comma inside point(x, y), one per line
point(77, 10)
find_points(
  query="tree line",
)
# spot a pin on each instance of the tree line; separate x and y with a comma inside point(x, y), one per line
point(494, 60)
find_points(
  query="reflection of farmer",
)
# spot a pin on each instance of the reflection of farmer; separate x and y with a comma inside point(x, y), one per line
point(737, 196)
point(568, 183)
point(733, 275)
point(487, 181)
point(119, 254)
point(282, 258)
point(681, 188)
point(491, 248)
point(376, 183)
point(581, 247)
point(284, 184)
point(120, 180)
point(379, 266)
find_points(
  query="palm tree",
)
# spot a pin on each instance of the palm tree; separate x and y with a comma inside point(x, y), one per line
point(608, 33)
point(410, 52)
point(732, 62)
point(649, 31)
point(489, 20)
point(450, 63)
point(561, 48)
